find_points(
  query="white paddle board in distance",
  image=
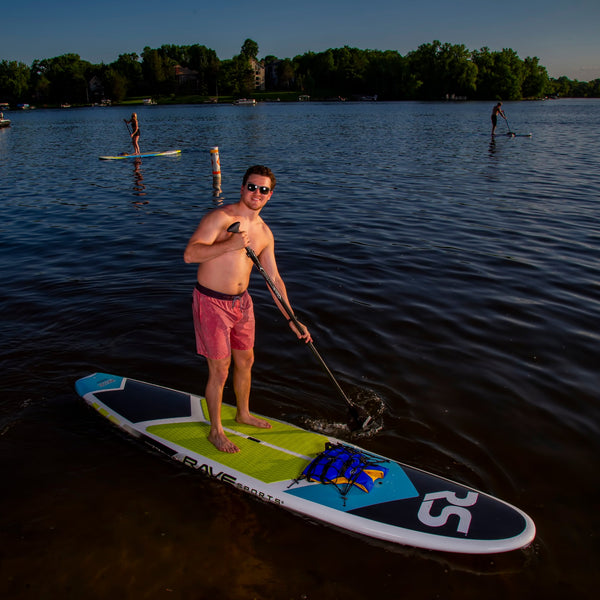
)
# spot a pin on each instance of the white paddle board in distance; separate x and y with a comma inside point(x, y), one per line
point(372, 495)
point(143, 155)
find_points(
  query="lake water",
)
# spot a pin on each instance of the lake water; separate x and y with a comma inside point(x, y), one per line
point(452, 277)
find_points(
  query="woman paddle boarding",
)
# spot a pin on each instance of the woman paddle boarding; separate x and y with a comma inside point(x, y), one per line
point(135, 132)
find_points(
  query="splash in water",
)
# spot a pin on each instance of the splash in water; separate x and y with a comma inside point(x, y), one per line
point(370, 408)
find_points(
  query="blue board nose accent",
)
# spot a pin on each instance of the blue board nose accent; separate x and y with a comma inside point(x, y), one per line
point(98, 381)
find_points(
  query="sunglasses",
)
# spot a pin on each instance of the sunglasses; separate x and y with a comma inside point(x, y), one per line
point(263, 189)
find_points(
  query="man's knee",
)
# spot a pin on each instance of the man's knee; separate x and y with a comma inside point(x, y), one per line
point(244, 359)
point(218, 370)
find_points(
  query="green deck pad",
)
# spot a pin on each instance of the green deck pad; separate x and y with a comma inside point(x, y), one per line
point(256, 460)
point(282, 435)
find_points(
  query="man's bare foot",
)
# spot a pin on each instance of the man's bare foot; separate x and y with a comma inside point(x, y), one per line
point(222, 443)
point(254, 421)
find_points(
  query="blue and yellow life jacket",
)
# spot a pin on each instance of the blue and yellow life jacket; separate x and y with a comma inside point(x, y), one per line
point(344, 467)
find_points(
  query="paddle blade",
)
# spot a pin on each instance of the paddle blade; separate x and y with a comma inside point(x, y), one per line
point(361, 422)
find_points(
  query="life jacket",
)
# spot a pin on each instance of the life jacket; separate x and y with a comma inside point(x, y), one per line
point(344, 467)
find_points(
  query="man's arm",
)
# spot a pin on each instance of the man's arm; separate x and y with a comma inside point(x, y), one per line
point(269, 264)
point(205, 244)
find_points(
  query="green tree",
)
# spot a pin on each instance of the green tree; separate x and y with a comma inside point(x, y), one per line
point(442, 70)
point(207, 64)
point(580, 89)
point(249, 49)
point(126, 73)
point(280, 74)
point(535, 79)
point(560, 87)
point(387, 75)
point(486, 73)
point(158, 69)
point(500, 74)
point(305, 82)
point(594, 88)
point(286, 74)
point(14, 81)
point(61, 79)
point(350, 71)
point(459, 71)
point(116, 85)
point(314, 72)
point(236, 77)
point(509, 69)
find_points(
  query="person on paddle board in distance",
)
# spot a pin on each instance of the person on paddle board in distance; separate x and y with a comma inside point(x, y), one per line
point(135, 132)
point(497, 110)
point(223, 312)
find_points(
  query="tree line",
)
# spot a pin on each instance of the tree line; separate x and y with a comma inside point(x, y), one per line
point(433, 71)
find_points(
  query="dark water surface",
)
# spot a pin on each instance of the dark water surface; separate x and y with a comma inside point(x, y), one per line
point(455, 277)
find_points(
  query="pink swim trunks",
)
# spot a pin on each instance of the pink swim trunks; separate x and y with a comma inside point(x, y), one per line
point(222, 324)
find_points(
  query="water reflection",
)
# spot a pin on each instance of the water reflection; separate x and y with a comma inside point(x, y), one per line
point(4, 132)
point(139, 188)
point(218, 199)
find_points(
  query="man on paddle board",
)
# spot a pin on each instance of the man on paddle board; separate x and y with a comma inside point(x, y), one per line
point(222, 308)
point(497, 110)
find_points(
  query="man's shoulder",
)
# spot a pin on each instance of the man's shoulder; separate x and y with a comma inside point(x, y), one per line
point(221, 212)
point(263, 227)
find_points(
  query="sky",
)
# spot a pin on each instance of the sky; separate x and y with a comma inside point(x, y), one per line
point(563, 34)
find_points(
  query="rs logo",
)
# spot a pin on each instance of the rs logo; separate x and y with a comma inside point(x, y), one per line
point(456, 508)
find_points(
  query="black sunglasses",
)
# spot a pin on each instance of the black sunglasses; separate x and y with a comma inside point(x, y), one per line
point(263, 189)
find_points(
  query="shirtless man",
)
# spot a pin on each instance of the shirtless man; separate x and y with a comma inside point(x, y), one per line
point(497, 110)
point(222, 308)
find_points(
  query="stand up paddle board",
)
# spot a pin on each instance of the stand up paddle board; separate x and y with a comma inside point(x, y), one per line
point(144, 155)
point(318, 476)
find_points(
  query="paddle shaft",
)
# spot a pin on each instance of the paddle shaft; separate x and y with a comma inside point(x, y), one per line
point(252, 255)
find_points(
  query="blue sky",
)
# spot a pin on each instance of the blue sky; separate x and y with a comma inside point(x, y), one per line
point(563, 34)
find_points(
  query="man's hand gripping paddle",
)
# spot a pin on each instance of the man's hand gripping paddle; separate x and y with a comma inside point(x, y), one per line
point(361, 421)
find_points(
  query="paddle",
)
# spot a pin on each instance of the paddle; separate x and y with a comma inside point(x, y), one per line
point(507, 125)
point(129, 131)
point(361, 422)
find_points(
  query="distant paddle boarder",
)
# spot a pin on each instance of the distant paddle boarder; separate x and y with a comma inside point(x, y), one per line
point(497, 110)
point(135, 132)
point(222, 308)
